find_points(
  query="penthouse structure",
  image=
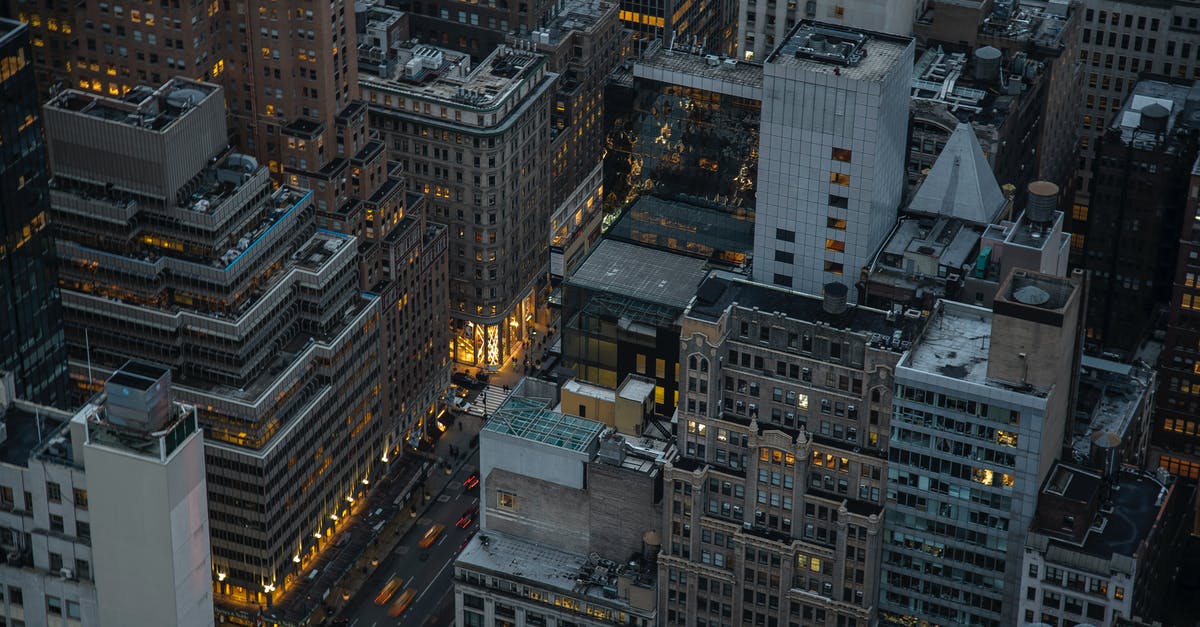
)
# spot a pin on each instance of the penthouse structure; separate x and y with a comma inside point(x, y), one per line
point(777, 500)
point(179, 250)
point(113, 526)
point(476, 142)
point(981, 412)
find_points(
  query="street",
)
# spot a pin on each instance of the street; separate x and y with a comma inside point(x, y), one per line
point(427, 572)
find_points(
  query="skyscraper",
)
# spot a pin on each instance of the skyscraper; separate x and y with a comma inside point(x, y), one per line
point(31, 335)
point(178, 249)
point(832, 150)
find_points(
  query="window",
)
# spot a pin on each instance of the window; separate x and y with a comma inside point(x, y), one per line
point(784, 257)
point(507, 500)
point(782, 280)
point(835, 246)
point(83, 530)
point(833, 267)
point(835, 223)
point(54, 605)
point(841, 154)
point(56, 523)
point(785, 235)
point(838, 178)
point(53, 492)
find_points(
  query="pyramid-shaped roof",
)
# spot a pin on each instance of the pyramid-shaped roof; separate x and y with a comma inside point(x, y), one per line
point(961, 183)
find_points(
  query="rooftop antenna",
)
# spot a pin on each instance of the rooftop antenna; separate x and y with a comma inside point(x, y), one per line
point(88, 349)
point(37, 417)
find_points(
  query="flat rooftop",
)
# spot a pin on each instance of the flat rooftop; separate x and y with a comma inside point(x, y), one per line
point(639, 272)
point(1119, 530)
point(547, 568)
point(722, 289)
point(955, 343)
point(1110, 396)
point(435, 73)
point(661, 63)
point(855, 54)
point(530, 419)
point(1172, 95)
point(573, 15)
point(319, 248)
point(26, 426)
point(142, 107)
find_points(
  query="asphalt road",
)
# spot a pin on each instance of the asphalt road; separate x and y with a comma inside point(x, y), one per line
point(429, 571)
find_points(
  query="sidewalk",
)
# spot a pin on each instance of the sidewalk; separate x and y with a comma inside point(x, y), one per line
point(405, 519)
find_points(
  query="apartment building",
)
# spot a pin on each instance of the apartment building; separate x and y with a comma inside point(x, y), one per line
point(980, 414)
point(31, 339)
point(112, 527)
point(179, 250)
point(475, 141)
point(1143, 166)
point(777, 501)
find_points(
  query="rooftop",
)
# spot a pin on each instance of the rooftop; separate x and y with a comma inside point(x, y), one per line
point(852, 53)
point(593, 578)
point(1111, 395)
point(530, 419)
point(26, 425)
point(711, 69)
point(955, 343)
point(639, 272)
point(431, 72)
point(722, 290)
point(1125, 518)
point(1036, 21)
point(961, 183)
point(142, 107)
point(319, 248)
point(1178, 108)
point(723, 235)
point(572, 15)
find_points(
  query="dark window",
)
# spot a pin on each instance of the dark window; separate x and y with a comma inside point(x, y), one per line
point(782, 279)
point(785, 235)
point(784, 257)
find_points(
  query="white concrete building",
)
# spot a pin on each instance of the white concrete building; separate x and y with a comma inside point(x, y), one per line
point(832, 149)
point(103, 514)
point(763, 23)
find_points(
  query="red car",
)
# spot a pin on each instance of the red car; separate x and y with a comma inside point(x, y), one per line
point(468, 517)
point(471, 481)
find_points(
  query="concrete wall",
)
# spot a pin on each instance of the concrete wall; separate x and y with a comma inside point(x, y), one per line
point(623, 506)
point(150, 536)
point(548, 513)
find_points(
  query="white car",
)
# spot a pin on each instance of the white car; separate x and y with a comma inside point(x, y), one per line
point(460, 404)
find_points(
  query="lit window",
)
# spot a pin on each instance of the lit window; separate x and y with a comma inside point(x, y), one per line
point(507, 500)
point(833, 267)
point(836, 246)
point(841, 154)
point(802, 401)
point(837, 178)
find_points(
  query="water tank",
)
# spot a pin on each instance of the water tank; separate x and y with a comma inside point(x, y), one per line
point(1106, 452)
point(987, 64)
point(1154, 118)
point(834, 298)
point(1042, 202)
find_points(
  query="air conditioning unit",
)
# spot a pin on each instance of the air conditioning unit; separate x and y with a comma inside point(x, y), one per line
point(13, 557)
point(67, 573)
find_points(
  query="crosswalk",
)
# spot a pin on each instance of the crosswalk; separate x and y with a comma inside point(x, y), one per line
point(488, 401)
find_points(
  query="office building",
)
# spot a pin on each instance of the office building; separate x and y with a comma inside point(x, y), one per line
point(762, 25)
point(475, 141)
point(570, 519)
point(31, 337)
point(53, 40)
point(620, 316)
point(1176, 437)
point(1010, 69)
point(1143, 164)
point(1120, 41)
point(1103, 546)
point(113, 526)
point(777, 500)
point(831, 153)
point(179, 250)
point(980, 414)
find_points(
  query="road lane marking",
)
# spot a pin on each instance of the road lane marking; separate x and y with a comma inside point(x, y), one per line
point(433, 581)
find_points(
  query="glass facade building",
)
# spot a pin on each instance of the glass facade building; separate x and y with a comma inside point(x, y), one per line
point(31, 333)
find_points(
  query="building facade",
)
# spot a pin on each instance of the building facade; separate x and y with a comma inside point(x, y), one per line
point(177, 249)
point(831, 154)
point(1143, 164)
point(31, 337)
point(476, 142)
point(776, 504)
point(113, 526)
point(979, 416)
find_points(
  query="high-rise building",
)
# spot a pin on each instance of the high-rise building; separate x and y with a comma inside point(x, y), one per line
point(831, 153)
point(1120, 40)
point(776, 507)
point(31, 335)
point(179, 250)
point(53, 35)
point(1143, 168)
point(981, 411)
point(762, 25)
point(113, 527)
point(476, 142)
